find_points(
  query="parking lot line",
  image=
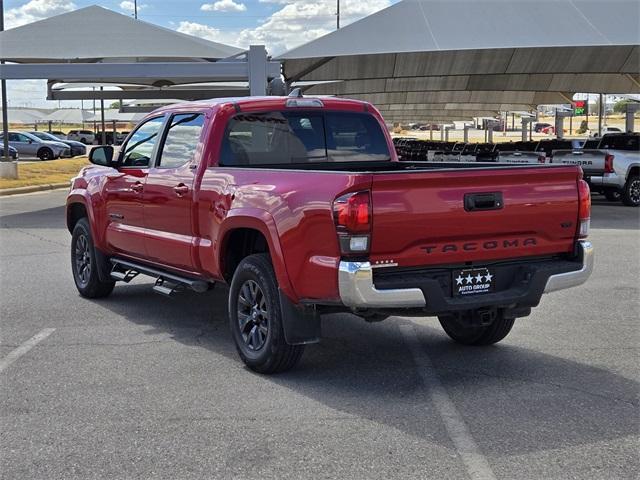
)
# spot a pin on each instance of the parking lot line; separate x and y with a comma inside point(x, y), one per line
point(24, 348)
point(476, 464)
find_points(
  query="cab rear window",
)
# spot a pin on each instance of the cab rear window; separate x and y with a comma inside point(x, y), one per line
point(300, 137)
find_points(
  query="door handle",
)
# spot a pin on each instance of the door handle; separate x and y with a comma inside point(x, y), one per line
point(137, 187)
point(181, 189)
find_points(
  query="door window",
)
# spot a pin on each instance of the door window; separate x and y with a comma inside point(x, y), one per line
point(181, 140)
point(138, 151)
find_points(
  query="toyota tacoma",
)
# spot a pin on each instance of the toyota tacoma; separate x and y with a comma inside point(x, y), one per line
point(301, 206)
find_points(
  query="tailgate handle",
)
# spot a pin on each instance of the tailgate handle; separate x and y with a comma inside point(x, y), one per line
point(483, 201)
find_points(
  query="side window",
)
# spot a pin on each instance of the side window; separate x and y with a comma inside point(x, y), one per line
point(23, 138)
point(14, 137)
point(181, 140)
point(139, 149)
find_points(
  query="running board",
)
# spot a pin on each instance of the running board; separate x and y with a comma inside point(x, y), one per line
point(166, 283)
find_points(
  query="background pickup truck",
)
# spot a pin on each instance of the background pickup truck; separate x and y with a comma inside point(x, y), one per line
point(611, 165)
point(302, 207)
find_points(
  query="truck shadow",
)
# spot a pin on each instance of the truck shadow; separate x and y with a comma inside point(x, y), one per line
point(366, 370)
point(48, 218)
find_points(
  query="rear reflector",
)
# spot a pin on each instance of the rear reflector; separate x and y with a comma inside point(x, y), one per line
point(584, 209)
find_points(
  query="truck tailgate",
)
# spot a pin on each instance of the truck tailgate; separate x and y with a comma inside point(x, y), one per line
point(420, 218)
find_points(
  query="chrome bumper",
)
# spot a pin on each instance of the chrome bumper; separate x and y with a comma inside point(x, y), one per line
point(578, 277)
point(355, 282)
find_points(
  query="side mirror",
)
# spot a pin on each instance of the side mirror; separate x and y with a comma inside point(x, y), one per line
point(102, 156)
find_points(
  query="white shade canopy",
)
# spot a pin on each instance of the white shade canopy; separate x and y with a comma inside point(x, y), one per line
point(21, 116)
point(68, 115)
point(416, 50)
point(98, 34)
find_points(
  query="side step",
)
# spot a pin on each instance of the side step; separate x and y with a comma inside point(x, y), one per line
point(166, 283)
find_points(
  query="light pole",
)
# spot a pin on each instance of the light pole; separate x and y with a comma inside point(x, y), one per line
point(5, 116)
point(135, 9)
point(338, 14)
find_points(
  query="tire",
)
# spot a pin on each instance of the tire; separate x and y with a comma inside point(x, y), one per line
point(255, 318)
point(631, 192)
point(83, 264)
point(45, 154)
point(613, 195)
point(477, 336)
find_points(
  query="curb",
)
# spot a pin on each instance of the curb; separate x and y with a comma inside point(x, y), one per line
point(32, 188)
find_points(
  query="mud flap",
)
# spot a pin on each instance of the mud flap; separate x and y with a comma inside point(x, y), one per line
point(301, 323)
point(104, 266)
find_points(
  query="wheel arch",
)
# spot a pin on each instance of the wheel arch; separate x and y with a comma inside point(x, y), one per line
point(248, 231)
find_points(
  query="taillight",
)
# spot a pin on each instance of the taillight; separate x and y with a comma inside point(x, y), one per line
point(352, 216)
point(608, 163)
point(584, 209)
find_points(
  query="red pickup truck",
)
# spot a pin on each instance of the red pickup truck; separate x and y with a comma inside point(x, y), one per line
point(302, 207)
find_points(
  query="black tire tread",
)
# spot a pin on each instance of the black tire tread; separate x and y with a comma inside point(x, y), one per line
point(480, 336)
point(283, 356)
point(626, 199)
point(96, 288)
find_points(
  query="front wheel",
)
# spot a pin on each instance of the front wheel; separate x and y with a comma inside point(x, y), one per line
point(45, 154)
point(84, 265)
point(485, 335)
point(256, 319)
point(631, 193)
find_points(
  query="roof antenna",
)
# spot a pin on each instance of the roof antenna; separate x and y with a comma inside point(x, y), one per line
point(296, 93)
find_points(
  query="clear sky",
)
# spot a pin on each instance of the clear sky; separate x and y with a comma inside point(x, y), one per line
point(278, 24)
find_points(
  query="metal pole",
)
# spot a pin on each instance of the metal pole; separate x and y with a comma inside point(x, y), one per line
point(104, 133)
point(338, 15)
point(135, 9)
point(5, 114)
point(600, 110)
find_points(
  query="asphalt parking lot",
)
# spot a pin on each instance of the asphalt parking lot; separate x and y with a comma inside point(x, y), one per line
point(141, 386)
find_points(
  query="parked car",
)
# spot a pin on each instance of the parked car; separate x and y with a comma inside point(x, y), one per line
point(58, 134)
point(539, 126)
point(76, 148)
point(13, 153)
point(30, 145)
point(621, 175)
point(606, 130)
point(302, 207)
point(83, 136)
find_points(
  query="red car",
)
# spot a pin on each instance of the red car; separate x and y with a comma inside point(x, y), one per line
point(302, 207)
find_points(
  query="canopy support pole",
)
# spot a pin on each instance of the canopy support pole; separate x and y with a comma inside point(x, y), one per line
point(5, 116)
point(104, 133)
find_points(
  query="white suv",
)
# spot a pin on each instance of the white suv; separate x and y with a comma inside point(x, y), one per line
point(84, 136)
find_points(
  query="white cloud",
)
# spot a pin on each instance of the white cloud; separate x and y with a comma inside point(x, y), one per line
point(35, 10)
point(224, 6)
point(297, 22)
point(130, 7)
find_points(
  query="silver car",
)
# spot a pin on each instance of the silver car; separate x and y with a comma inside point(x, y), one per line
point(32, 146)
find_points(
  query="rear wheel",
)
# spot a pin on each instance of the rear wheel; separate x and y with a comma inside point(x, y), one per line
point(45, 154)
point(485, 335)
point(631, 193)
point(256, 319)
point(84, 265)
point(613, 195)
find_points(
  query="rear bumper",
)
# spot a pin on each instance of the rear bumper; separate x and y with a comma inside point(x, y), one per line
point(608, 180)
point(523, 284)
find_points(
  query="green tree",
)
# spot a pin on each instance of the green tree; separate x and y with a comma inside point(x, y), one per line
point(621, 106)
